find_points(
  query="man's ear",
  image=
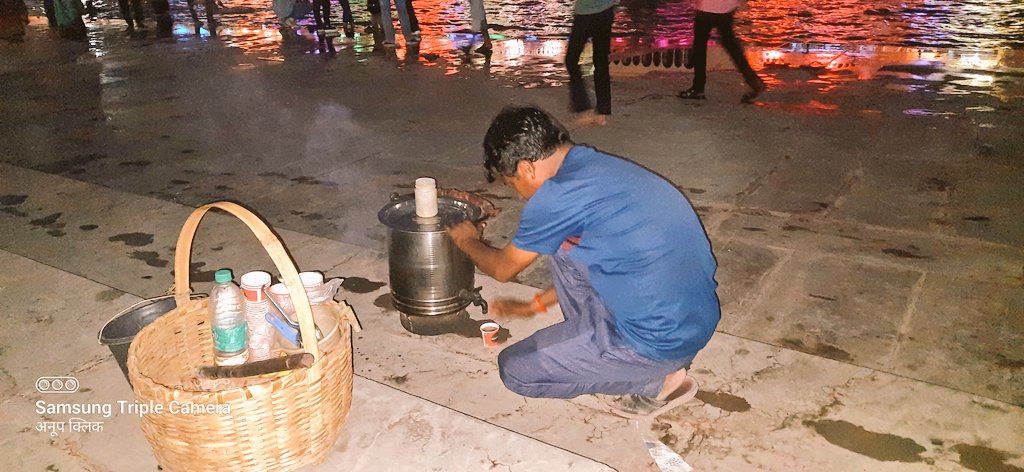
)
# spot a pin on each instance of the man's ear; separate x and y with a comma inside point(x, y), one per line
point(526, 169)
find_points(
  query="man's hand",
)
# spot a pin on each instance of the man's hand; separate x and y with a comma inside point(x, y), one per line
point(507, 308)
point(501, 264)
point(463, 232)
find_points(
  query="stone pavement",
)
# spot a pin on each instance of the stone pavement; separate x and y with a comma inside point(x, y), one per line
point(871, 261)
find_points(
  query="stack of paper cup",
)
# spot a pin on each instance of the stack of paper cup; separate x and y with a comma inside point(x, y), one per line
point(284, 299)
point(256, 308)
point(426, 197)
point(312, 282)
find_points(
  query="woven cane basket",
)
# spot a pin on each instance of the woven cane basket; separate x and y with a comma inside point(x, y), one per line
point(284, 422)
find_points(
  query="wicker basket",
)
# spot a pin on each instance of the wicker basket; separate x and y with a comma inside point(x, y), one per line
point(282, 423)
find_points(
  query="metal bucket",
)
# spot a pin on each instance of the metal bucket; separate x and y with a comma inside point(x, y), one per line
point(117, 334)
point(429, 275)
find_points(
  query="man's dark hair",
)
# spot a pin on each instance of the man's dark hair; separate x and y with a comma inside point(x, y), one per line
point(519, 133)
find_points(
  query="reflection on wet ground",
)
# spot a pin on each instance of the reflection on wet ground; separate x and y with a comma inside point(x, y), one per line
point(950, 47)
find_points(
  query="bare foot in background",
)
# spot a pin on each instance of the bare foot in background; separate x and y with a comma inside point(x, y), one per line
point(589, 119)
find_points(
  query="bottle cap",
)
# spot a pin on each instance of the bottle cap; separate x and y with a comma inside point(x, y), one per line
point(221, 276)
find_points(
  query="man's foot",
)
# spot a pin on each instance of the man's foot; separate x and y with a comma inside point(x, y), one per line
point(691, 94)
point(754, 92)
point(640, 407)
point(590, 118)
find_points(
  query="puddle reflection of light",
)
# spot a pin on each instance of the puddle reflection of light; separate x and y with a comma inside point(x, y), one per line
point(975, 61)
point(812, 107)
point(552, 48)
point(926, 112)
point(514, 48)
point(966, 83)
point(772, 57)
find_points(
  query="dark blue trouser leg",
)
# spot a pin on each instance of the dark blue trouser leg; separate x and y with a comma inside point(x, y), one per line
point(582, 354)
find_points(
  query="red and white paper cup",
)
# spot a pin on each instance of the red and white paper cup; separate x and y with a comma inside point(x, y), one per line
point(256, 307)
point(253, 283)
point(488, 331)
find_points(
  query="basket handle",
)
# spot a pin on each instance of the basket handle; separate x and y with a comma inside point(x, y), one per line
point(274, 248)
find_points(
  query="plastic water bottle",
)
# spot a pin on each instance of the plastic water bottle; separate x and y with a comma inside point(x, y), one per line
point(227, 317)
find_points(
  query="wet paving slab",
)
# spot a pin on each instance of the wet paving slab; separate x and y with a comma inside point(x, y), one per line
point(855, 320)
point(974, 316)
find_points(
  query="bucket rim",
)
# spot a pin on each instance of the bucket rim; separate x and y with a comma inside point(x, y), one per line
point(145, 301)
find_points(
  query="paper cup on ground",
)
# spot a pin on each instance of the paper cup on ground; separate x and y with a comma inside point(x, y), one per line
point(488, 331)
point(252, 284)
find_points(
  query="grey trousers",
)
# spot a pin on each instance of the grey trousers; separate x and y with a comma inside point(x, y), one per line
point(583, 354)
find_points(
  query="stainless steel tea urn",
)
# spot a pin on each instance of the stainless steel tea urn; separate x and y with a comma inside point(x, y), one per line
point(430, 277)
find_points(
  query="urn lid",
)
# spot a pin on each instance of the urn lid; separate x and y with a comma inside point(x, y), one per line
point(400, 214)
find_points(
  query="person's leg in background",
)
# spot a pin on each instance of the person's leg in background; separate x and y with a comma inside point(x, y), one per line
point(387, 23)
point(346, 19)
point(601, 42)
point(478, 24)
point(137, 13)
point(162, 15)
point(414, 23)
point(403, 20)
point(211, 8)
point(126, 12)
point(299, 11)
point(376, 22)
point(702, 24)
point(579, 100)
point(51, 16)
point(735, 50)
point(321, 15)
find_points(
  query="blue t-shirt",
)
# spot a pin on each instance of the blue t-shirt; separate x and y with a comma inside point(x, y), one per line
point(648, 256)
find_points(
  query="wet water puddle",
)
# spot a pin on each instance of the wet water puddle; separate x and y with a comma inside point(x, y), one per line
point(945, 47)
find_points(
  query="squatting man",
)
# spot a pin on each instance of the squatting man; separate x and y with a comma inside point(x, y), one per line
point(631, 266)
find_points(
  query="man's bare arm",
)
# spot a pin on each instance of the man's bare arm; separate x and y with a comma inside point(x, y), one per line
point(501, 264)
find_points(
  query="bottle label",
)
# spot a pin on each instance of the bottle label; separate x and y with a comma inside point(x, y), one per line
point(229, 339)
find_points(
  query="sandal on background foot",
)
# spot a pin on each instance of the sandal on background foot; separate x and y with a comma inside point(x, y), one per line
point(640, 407)
point(691, 94)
